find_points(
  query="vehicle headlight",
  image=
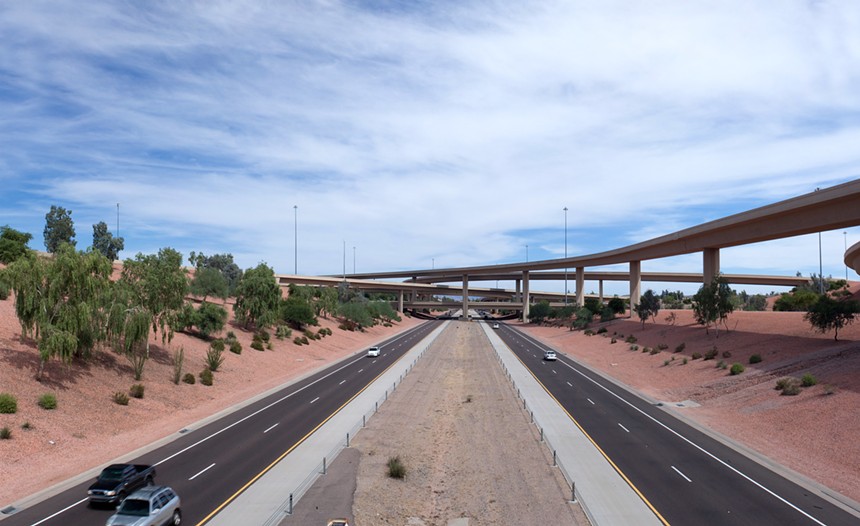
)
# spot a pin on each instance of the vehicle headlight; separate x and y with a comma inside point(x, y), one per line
point(110, 493)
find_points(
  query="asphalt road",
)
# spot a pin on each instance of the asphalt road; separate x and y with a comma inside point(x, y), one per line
point(210, 466)
point(684, 475)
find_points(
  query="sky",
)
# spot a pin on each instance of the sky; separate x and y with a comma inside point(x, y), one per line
point(323, 136)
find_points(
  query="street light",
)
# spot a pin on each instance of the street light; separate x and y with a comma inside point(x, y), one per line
point(344, 260)
point(117, 220)
point(527, 253)
point(296, 239)
point(353, 260)
point(565, 255)
point(432, 263)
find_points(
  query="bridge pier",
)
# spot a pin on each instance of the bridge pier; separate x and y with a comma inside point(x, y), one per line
point(400, 302)
point(635, 284)
point(580, 283)
point(600, 291)
point(710, 264)
point(525, 296)
point(465, 314)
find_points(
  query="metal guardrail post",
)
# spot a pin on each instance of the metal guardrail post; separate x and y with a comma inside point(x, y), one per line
point(323, 466)
point(363, 420)
point(291, 504)
point(554, 463)
point(541, 434)
point(347, 440)
point(573, 492)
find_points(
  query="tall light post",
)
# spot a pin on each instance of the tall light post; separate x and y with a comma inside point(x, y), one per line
point(432, 263)
point(344, 260)
point(296, 240)
point(565, 255)
point(117, 223)
point(845, 237)
point(353, 260)
point(527, 253)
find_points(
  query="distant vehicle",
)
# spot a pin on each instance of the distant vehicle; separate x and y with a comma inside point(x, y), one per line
point(549, 355)
point(150, 506)
point(118, 480)
point(373, 351)
point(338, 522)
point(495, 325)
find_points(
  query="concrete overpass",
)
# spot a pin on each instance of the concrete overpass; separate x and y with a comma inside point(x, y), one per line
point(828, 209)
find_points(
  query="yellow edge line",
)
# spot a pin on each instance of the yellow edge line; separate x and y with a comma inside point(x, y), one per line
point(287, 452)
point(617, 469)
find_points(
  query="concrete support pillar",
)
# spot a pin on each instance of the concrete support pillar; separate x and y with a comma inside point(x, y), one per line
point(710, 264)
point(600, 291)
point(465, 296)
point(525, 296)
point(518, 295)
point(400, 301)
point(580, 285)
point(635, 284)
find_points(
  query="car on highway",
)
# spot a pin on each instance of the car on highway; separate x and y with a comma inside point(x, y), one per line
point(549, 355)
point(495, 325)
point(373, 352)
point(150, 506)
point(116, 481)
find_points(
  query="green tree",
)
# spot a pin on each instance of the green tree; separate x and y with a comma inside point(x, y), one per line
point(648, 306)
point(756, 302)
point(59, 301)
point(356, 314)
point(158, 283)
point(13, 244)
point(617, 305)
point(128, 327)
point(211, 318)
point(221, 262)
point(59, 228)
point(257, 297)
point(326, 301)
point(713, 303)
point(209, 281)
point(104, 242)
point(828, 313)
point(297, 311)
point(539, 311)
point(799, 299)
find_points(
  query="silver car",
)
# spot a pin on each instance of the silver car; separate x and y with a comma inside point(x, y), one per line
point(150, 506)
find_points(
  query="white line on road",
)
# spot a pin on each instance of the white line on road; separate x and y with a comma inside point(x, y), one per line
point(315, 399)
point(67, 508)
point(678, 471)
point(342, 382)
point(360, 370)
point(570, 384)
point(202, 472)
point(590, 400)
point(553, 372)
point(622, 427)
point(273, 427)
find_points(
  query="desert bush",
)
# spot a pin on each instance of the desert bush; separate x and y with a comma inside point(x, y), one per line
point(189, 379)
point(5, 433)
point(711, 354)
point(601, 330)
point(282, 331)
point(231, 335)
point(235, 347)
point(829, 389)
point(782, 382)
point(305, 341)
point(662, 346)
point(257, 344)
point(631, 339)
point(263, 334)
point(217, 344)
point(214, 356)
point(681, 346)
point(722, 365)
point(206, 377)
point(665, 363)
point(120, 398)
point(684, 361)
point(727, 354)
point(588, 332)
point(634, 347)
point(178, 362)
point(654, 351)
point(26, 425)
point(8, 403)
point(136, 391)
point(737, 368)
point(755, 358)
point(269, 346)
point(807, 380)
point(396, 469)
point(297, 340)
point(48, 401)
point(792, 388)
point(696, 355)
point(322, 333)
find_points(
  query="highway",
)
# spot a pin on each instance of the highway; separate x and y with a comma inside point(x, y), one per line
point(210, 466)
point(683, 475)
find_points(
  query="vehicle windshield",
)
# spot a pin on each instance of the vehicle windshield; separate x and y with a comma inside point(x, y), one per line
point(136, 507)
point(111, 474)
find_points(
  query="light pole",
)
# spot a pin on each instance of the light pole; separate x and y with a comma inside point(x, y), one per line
point(432, 263)
point(296, 239)
point(527, 253)
point(845, 237)
point(344, 260)
point(117, 224)
point(565, 255)
point(353, 260)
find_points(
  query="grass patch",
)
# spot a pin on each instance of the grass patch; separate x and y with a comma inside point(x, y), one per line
point(8, 403)
point(755, 358)
point(807, 380)
point(396, 469)
point(120, 398)
point(737, 368)
point(5, 433)
point(136, 391)
point(48, 401)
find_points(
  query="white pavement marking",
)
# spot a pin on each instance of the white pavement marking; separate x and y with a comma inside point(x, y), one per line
point(570, 384)
point(678, 471)
point(202, 472)
point(67, 508)
point(342, 382)
point(590, 400)
point(272, 427)
point(360, 370)
point(315, 399)
point(622, 427)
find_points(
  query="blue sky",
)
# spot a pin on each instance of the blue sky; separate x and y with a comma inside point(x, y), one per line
point(433, 133)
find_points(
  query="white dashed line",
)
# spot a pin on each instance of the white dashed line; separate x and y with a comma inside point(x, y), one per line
point(570, 384)
point(590, 401)
point(315, 399)
point(342, 382)
point(624, 428)
point(678, 471)
point(202, 472)
point(273, 427)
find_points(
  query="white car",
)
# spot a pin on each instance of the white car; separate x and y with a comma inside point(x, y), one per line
point(150, 506)
point(373, 352)
point(549, 355)
point(495, 325)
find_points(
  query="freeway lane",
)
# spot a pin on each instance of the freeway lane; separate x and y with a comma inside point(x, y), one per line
point(687, 477)
point(209, 465)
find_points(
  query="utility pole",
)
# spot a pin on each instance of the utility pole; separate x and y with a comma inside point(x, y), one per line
point(565, 255)
point(353, 260)
point(296, 239)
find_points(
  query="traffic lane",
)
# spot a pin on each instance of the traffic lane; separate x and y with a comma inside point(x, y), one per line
point(177, 459)
point(738, 495)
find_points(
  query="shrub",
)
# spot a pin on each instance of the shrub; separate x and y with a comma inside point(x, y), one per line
point(231, 335)
point(269, 346)
point(178, 362)
point(755, 358)
point(305, 341)
point(136, 391)
point(696, 355)
point(646, 349)
point(26, 425)
point(588, 332)
point(235, 347)
point(655, 351)
point(727, 354)
point(8, 404)
point(206, 377)
point(322, 332)
point(634, 347)
point(662, 346)
point(792, 388)
point(189, 379)
point(257, 344)
point(631, 339)
point(214, 356)
point(681, 346)
point(807, 380)
point(737, 368)
point(722, 365)
point(684, 362)
point(282, 331)
point(396, 469)
point(217, 344)
point(48, 401)
point(601, 330)
point(829, 389)
point(5, 433)
point(263, 334)
point(711, 354)
point(782, 382)
point(613, 340)
point(297, 340)
point(120, 398)
point(665, 363)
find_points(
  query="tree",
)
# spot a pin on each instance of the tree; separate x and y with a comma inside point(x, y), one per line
point(13, 244)
point(297, 311)
point(257, 297)
point(223, 263)
point(59, 301)
point(713, 303)
point(158, 283)
point(799, 299)
point(539, 311)
point(756, 302)
point(828, 313)
point(355, 314)
point(648, 306)
point(326, 301)
point(104, 242)
point(59, 228)
point(617, 305)
point(209, 281)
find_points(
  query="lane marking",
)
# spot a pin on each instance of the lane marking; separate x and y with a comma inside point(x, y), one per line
point(202, 472)
point(67, 508)
point(570, 384)
point(360, 370)
point(553, 372)
point(315, 399)
point(678, 471)
point(622, 427)
point(590, 400)
point(272, 427)
point(342, 382)
point(687, 440)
